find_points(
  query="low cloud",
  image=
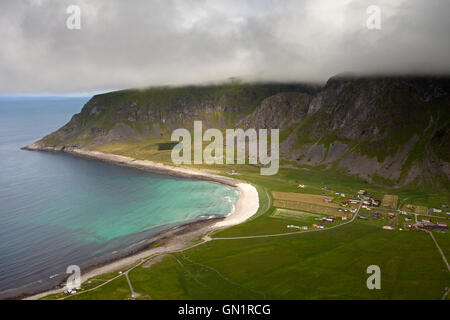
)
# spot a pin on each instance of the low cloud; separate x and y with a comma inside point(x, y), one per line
point(140, 42)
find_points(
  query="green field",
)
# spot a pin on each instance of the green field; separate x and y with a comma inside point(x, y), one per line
point(330, 264)
point(301, 216)
point(319, 265)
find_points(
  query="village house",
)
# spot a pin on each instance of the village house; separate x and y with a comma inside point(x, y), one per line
point(325, 219)
point(432, 226)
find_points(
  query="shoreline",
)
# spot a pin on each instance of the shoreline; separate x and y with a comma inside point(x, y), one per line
point(174, 239)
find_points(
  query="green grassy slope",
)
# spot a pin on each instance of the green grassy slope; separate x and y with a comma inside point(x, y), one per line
point(321, 265)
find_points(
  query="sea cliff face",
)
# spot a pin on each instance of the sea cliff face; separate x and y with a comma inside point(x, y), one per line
point(391, 131)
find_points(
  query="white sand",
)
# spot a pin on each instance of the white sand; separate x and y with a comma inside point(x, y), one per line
point(246, 207)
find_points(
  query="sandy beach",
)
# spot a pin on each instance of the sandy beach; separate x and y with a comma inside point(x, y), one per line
point(173, 240)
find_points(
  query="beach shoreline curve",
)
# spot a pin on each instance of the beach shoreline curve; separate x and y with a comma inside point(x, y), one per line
point(247, 206)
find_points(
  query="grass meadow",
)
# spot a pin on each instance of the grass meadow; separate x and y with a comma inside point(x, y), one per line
point(329, 264)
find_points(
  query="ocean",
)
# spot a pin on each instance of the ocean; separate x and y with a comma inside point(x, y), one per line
point(57, 210)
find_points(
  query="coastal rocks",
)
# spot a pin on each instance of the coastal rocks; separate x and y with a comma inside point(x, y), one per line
point(39, 147)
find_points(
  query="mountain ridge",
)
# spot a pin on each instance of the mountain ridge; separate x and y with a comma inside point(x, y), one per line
point(389, 130)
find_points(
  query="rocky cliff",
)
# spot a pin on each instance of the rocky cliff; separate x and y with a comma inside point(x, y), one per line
point(389, 130)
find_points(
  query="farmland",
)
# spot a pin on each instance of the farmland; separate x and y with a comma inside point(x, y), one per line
point(304, 202)
point(303, 197)
point(416, 209)
point(390, 200)
point(300, 216)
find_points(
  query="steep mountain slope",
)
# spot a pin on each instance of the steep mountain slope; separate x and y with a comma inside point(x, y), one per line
point(389, 130)
point(157, 112)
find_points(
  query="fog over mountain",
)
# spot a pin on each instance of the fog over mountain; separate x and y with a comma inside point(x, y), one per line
point(140, 42)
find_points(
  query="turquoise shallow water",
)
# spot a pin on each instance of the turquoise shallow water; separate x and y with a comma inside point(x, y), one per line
point(57, 210)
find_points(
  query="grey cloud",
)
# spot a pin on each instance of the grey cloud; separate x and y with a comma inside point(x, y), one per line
point(141, 42)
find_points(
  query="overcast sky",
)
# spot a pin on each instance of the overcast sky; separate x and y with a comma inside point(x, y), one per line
point(133, 43)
